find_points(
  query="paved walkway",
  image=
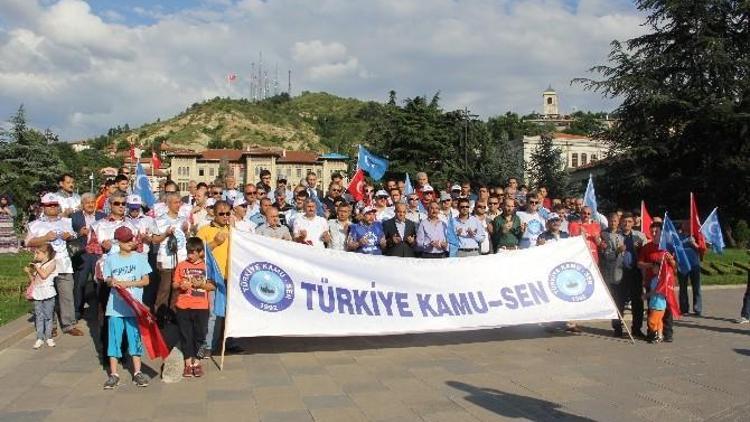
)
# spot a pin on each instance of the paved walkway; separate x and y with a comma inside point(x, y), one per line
point(518, 373)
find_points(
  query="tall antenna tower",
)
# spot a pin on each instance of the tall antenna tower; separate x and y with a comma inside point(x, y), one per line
point(252, 81)
point(289, 86)
point(276, 80)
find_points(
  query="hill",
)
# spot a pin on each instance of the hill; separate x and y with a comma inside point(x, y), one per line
point(311, 121)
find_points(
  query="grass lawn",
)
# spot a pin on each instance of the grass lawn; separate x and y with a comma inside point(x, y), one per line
point(12, 286)
point(727, 263)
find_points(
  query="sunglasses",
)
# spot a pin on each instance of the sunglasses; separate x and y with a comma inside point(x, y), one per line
point(118, 204)
point(533, 202)
point(50, 205)
point(170, 191)
point(335, 190)
point(414, 199)
point(250, 193)
point(215, 193)
point(494, 203)
point(480, 207)
point(224, 214)
point(464, 207)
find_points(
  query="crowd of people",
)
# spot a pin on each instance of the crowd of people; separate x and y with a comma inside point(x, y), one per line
point(85, 246)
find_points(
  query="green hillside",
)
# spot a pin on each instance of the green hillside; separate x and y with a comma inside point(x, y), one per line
point(310, 121)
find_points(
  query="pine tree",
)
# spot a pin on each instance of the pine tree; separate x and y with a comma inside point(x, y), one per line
point(547, 168)
point(684, 121)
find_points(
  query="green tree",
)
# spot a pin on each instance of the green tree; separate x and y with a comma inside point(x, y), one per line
point(684, 120)
point(28, 160)
point(547, 168)
point(587, 124)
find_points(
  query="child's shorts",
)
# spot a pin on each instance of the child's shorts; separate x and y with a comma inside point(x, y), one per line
point(116, 327)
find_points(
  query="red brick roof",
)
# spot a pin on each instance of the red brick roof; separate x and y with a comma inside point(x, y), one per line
point(298, 157)
point(219, 154)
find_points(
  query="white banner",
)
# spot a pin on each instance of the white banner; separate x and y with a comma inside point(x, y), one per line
point(279, 288)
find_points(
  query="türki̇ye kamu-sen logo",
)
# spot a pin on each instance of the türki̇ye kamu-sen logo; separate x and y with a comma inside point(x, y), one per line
point(267, 286)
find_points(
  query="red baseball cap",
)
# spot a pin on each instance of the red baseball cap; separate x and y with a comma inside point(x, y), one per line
point(124, 234)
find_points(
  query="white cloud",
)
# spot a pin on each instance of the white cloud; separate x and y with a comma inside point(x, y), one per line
point(80, 73)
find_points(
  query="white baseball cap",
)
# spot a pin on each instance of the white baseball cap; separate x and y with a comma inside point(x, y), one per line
point(50, 199)
point(455, 187)
point(368, 209)
point(427, 188)
point(381, 193)
point(134, 200)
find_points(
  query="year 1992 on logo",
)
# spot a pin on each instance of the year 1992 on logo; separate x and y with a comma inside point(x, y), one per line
point(571, 282)
point(267, 286)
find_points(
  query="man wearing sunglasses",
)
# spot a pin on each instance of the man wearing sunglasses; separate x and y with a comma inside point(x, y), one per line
point(56, 231)
point(493, 206)
point(230, 193)
point(480, 212)
point(332, 199)
point(469, 229)
point(250, 194)
point(532, 222)
point(413, 212)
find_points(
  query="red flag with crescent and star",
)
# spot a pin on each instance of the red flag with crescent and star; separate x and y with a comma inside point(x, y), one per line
point(695, 227)
point(357, 185)
point(151, 337)
point(665, 287)
point(646, 221)
point(155, 161)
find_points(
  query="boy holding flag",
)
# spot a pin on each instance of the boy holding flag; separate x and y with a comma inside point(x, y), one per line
point(128, 270)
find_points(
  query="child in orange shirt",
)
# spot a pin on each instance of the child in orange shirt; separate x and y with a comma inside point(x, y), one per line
point(192, 304)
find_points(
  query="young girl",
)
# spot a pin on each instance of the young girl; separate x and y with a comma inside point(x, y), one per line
point(41, 290)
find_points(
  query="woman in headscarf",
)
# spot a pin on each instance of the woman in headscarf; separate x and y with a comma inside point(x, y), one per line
point(8, 238)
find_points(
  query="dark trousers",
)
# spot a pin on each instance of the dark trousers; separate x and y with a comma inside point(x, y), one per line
point(192, 324)
point(164, 304)
point(695, 284)
point(619, 293)
point(745, 312)
point(84, 272)
point(633, 289)
point(428, 255)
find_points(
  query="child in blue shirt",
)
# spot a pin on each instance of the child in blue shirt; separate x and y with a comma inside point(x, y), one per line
point(130, 270)
point(657, 305)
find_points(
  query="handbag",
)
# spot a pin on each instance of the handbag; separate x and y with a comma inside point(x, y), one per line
point(75, 248)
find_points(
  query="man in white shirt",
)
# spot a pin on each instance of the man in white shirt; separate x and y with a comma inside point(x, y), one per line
point(57, 230)
point(144, 225)
point(311, 229)
point(446, 208)
point(238, 219)
point(339, 226)
point(532, 220)
point(167, 225)
point(69, 200)
point(412, 210)
point(382, 210)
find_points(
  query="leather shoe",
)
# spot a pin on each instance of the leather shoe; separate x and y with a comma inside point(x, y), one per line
point(75, 332)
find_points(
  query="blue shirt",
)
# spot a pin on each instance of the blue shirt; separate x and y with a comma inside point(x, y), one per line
point(471, 223)
point(125, 268)
point(690, 251)
point(656, 301)
point(373, 233)
point(428, 231)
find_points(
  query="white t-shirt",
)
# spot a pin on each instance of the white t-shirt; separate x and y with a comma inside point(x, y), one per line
point(535, 225)
point(314, 227)
point(68, 202)
point(385, 214)
point(245, 226)
point(44, 288)
point(41, 227)
point(162, 257)
point(105, 230)
point(146, 226)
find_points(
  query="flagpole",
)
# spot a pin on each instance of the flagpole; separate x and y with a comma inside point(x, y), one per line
point(226, 300)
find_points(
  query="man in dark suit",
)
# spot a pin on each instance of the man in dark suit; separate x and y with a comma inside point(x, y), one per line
point(400, 234)
point(84, 262)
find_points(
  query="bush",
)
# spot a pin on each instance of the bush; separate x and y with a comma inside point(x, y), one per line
point(741, 233)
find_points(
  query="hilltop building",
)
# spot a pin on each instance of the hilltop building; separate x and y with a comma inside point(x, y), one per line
point(245, 165)
point(551, 112)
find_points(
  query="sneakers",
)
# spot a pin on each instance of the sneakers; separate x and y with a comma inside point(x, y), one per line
point(198, 371)
point(187, 372)
point(203, 353)
point(743, 320)
point(50, 342)
point(75, 332)
point(37, 344)
point(140, 379)
point(112, 382)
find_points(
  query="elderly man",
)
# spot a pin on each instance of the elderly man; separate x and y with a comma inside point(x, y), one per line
point(469, 230)
point(273, 227)
point(413, 211)
point(339, 226)
point(590, 229)
point(431, 239)
point(446, 207)
point(56, 231)
point(260, 218)
point(82, 221)
point(215, 236)
point(250, 194)
point(171, 236)
point(311, 229)
point(367, 237)
point(189, 198)
point(400, 233)
point(238, 222)
point(382, 210)
point(480, 212)
point(312, 185)
point(69, 201)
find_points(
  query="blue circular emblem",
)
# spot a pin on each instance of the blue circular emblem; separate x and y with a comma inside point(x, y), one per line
point(571, 282)
point(267, 287)
point(534, 227)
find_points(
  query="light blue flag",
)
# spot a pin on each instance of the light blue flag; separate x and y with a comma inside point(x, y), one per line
point(408, 188)
point(670, 241)
point(375, 166)
point(589, 198)
point(319, 209)
point(214, 274)
point(450, 235)
point(711, 230)
point(142, 187)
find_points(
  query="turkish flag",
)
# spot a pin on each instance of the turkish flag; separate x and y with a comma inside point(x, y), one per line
point(646, 221)
point(695, 227)
point(357, 185)
point(155, 162)
point(150, 334)
point(665, 287)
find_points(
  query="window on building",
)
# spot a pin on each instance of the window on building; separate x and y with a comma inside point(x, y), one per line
point(549, 100)
point(594, 157)
point(583, 159)
point(299, 171)
point(211, 172)
point(574, 160)
point(201, 172)
point(187, 171)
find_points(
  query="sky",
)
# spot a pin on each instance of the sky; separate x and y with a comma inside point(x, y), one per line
point(80, 67)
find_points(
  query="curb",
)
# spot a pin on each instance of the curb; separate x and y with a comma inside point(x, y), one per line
point(12, 332)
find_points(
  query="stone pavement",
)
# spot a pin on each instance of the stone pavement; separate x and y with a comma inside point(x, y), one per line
point(516, 373)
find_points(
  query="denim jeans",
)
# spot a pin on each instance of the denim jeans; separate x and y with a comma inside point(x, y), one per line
point(44, 312)
point(209, 342)
point(695, 284)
